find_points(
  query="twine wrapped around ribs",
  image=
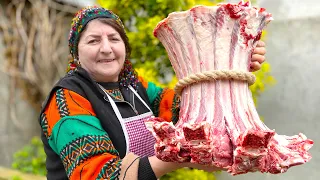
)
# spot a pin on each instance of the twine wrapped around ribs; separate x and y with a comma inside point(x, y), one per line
point(214, 75)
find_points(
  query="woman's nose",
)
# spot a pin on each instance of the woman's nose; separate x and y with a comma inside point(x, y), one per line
point(105, 46)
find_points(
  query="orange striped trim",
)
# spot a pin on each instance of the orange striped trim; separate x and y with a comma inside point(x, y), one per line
point(165, 106)
point(90, 169)
point(77, 105)
point(52, 114)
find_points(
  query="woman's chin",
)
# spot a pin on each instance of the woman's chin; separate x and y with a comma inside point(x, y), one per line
point(108, 76)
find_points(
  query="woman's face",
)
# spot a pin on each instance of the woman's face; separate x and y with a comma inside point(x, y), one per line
point(101, 51)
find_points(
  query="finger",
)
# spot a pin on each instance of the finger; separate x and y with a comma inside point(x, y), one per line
point(261, 44)
point(259, 50)
point(255, 66)
point(258, 58)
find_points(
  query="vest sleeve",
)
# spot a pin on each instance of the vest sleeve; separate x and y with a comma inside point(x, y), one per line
point(165, 103)
point(75, 134)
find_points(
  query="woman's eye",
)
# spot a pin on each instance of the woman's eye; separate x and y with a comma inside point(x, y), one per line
point(93, 41)
point(114, 39)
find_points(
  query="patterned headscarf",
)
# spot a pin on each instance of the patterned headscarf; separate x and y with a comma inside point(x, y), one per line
point(127, 75)
point(81, 20)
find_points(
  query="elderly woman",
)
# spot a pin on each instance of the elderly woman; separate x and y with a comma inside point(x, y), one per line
point(93, 119)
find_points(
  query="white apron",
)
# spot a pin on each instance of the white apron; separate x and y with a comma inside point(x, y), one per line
point(139, 139)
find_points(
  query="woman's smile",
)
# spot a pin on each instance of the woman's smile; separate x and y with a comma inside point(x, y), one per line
point(106, 60)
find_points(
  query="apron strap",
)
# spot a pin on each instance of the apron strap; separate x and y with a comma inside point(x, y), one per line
point(135, 92)
point(118, 114)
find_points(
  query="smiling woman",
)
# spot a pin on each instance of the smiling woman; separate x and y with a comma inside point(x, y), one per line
point(101, 50)
point(93, 121)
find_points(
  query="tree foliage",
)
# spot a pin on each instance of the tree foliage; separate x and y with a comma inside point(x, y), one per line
point(189, 174)
point(31, 158)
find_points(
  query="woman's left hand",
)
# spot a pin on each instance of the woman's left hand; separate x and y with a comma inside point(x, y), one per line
point(258, 56)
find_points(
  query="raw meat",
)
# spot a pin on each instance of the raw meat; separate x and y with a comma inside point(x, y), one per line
point(218, 123)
